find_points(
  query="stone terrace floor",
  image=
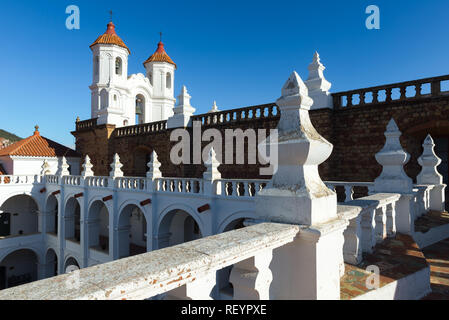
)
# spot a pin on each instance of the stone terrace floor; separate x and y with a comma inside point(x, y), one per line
point(400, 256)
point(431, 220)
point(396, 258)
point(437, 256)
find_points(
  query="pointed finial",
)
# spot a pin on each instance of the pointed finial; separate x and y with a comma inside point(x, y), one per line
point(116, 167)
point(392, 127)
point(428, 140)
point(110, 14)
point(214, 107)
point(295, 93)
point(160, 36)
point(429, 162)
point(212, 165)
point(45, 168)
point(77, 119)
point(36, 130)
point(153, 167)
point(87, 167)
point(63, 167)
point(392, 157)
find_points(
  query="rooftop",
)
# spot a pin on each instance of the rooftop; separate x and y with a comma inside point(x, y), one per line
point(110, 37)
point(37, 146)
point(160, 55)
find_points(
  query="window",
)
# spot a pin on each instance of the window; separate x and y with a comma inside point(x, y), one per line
point(103, 99)
point(168, 80)
point(150, 76)
point(118, 66)
point(140, 109)
point(96, 65)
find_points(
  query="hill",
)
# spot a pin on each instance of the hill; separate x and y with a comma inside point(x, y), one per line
point(9, 136)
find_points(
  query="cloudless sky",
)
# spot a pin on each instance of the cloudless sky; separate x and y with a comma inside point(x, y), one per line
point(238, 53)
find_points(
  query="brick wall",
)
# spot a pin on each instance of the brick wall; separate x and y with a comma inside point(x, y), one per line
point(357, 133)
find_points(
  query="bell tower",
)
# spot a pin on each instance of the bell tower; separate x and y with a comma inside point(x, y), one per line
point(160, 70)
point(110, 73)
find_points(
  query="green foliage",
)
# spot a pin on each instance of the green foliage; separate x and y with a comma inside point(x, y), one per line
point(9, 136)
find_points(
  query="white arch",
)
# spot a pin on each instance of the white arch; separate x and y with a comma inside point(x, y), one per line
point(93, 200)
point(48, 248)
point(22, 193)
point(135, 202)
point(47, 198)
point(12, 250)
point(68, 197)
point(235, 216)
point(74, 257)
point(180, 206)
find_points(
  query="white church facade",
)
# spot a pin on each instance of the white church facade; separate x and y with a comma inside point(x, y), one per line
point(121, 99)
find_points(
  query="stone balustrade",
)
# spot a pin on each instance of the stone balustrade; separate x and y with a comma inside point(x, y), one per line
point(185, 271)
point(181, 185)
point(371, 220)
point(86, 124)
point(100, 182)
point(20, 179)
point(52, 179)
point(240, 188)
point(131, 183)
point(71, 180)
point(140, 129)
point(267, 111)
point(348, 188)
point(403, 91)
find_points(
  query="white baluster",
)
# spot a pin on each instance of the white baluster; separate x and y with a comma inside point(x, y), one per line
point(251, 278)
point(380, 224)
point(199, 289)
point(349, 193)
point(368, 235)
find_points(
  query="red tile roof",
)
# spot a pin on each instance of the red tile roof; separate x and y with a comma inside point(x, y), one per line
point(38, 146)
point(160, 55)
point(110, 37)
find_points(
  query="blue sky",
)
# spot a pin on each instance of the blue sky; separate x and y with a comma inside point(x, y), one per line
point(238, 53)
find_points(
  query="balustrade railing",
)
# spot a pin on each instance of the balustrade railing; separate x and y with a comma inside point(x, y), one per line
point(94, 181)
point(71, 180)
point(239, 188)
point(403, 91)
point(185, 271)
point(20, 179)
point(140, 129)
point(182, 185)
point(52, 179)
point(86, 124)
point(347, 191)
point(371, 220)
point(131, 183)
point(266, 111)
point(421, 200)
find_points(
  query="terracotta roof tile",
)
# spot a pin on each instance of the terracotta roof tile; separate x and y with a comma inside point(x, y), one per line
point(160, 55)
point(38, 146)
point(110, 37)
